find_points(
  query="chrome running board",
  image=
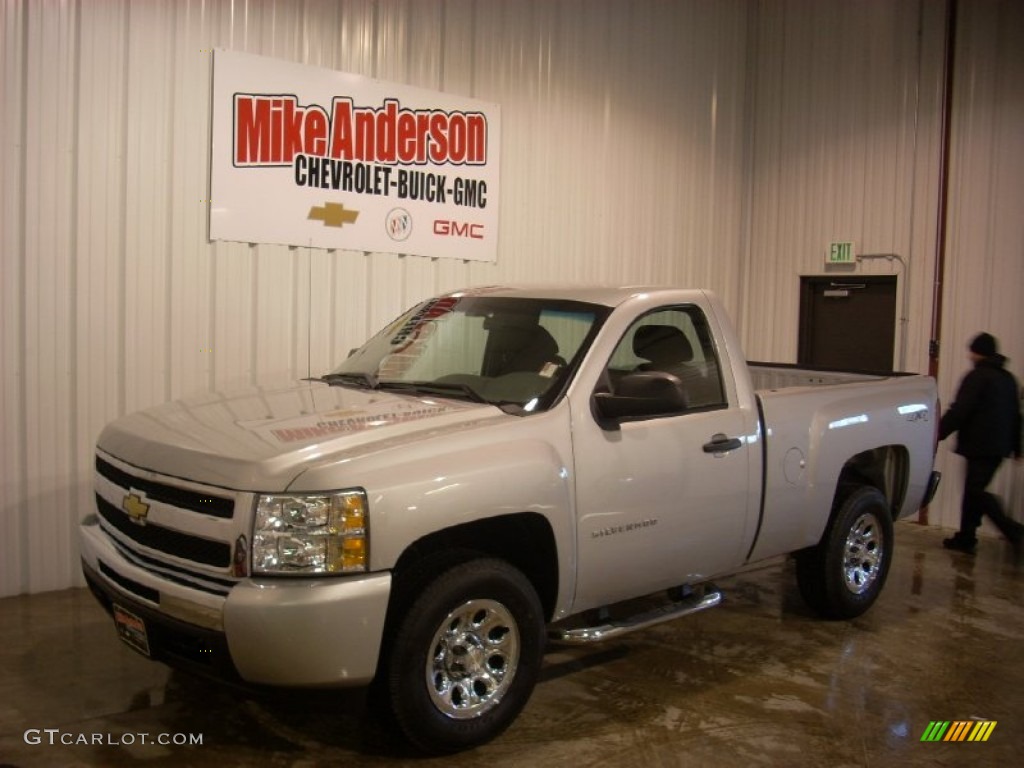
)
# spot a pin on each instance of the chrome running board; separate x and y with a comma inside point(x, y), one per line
point(602, 632)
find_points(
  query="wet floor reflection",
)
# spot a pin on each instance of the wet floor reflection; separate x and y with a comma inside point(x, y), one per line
point(757, 681)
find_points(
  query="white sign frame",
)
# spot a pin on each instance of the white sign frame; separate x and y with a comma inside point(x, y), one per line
point(312, 157)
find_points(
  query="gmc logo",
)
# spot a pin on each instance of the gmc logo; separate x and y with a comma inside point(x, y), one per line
point(458, 229)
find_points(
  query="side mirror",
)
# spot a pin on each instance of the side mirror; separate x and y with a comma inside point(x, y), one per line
point(641, 396)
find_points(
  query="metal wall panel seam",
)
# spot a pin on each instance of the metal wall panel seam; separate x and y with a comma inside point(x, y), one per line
point(170, 222)
point(122, 210)
point(20, 556)
point(749, 134)
point(254, 324)
point(77, 469)
point(912, 213)
point(30, 280)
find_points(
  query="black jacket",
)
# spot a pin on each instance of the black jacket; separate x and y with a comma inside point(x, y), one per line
point(986, 412)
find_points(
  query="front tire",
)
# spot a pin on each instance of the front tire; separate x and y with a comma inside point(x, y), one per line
point(843, 575)
point(466, 656)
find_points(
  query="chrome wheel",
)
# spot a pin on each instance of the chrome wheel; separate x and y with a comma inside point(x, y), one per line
point(862, 554)
point(843, 574)
point(473, 659)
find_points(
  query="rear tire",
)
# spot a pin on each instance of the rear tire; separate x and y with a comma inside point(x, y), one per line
point(466, 656)
point(843, 575)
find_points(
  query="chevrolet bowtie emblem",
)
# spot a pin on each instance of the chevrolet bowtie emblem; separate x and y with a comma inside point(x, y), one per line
point(333, 215)
point(135, 508)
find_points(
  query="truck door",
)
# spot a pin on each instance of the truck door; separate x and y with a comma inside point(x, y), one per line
point(657, 505)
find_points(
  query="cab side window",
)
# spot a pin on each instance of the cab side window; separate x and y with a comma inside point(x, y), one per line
point(676, 341)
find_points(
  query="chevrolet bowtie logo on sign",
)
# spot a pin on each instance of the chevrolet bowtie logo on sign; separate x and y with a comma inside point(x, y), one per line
point(958, 730)
point(135, 508)
point(333, 215)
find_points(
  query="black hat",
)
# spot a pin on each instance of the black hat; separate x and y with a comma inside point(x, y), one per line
point(984, 344)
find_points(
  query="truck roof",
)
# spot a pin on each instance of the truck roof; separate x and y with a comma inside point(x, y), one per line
point(607, 295)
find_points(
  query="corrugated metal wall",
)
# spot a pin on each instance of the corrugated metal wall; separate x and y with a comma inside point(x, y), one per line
point(846, 117)
point(984, 285)
point(710, 144)
point(845, 148)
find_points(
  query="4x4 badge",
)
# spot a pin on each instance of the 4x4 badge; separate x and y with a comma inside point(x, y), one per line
point(135, 507)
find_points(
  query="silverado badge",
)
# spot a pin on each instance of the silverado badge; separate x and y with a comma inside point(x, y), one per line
point(135, 507)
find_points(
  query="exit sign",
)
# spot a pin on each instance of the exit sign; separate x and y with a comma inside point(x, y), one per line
point(841, 253)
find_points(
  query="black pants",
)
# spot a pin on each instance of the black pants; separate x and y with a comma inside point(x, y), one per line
point(978, 502)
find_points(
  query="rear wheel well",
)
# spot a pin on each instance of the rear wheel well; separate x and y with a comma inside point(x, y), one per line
point(886, 468)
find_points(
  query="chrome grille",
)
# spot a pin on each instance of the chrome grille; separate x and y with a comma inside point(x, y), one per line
point(180, 531)
point(170, 542)
point(182, 498)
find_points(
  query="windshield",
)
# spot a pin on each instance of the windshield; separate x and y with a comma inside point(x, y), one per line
point(505, 351)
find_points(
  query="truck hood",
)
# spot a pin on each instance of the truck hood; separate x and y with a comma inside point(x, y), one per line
point(261, 438)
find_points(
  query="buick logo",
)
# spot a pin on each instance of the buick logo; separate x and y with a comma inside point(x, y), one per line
point(398, 224)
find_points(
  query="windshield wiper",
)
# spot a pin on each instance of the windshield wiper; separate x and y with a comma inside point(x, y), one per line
point(363, 380)
point(438, 388)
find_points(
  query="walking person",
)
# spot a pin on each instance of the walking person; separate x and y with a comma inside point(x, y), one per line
point(986, 415)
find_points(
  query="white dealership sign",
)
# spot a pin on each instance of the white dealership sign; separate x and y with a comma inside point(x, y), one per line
point(312, 157)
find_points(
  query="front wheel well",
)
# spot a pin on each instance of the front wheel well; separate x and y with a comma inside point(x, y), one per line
point(524, 540)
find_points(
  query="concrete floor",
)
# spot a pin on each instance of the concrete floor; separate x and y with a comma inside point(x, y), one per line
point(757, 681)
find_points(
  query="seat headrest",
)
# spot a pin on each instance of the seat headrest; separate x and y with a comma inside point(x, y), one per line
point(662, 345)
point(526, 349)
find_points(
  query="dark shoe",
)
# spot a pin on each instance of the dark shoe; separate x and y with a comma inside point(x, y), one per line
point(1017, 542)
point(959, 545)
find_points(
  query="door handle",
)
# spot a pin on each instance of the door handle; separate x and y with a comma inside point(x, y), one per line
point(722, 444)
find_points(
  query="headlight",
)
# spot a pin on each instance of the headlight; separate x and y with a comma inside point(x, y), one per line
point(325, 533)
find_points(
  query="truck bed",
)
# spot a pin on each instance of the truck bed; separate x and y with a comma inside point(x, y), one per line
point(774, 376)
point(815, 421)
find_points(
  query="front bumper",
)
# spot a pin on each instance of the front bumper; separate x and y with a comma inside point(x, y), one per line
point(286, 632)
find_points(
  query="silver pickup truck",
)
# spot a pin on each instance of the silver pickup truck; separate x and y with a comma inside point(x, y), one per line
point(496, 469)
